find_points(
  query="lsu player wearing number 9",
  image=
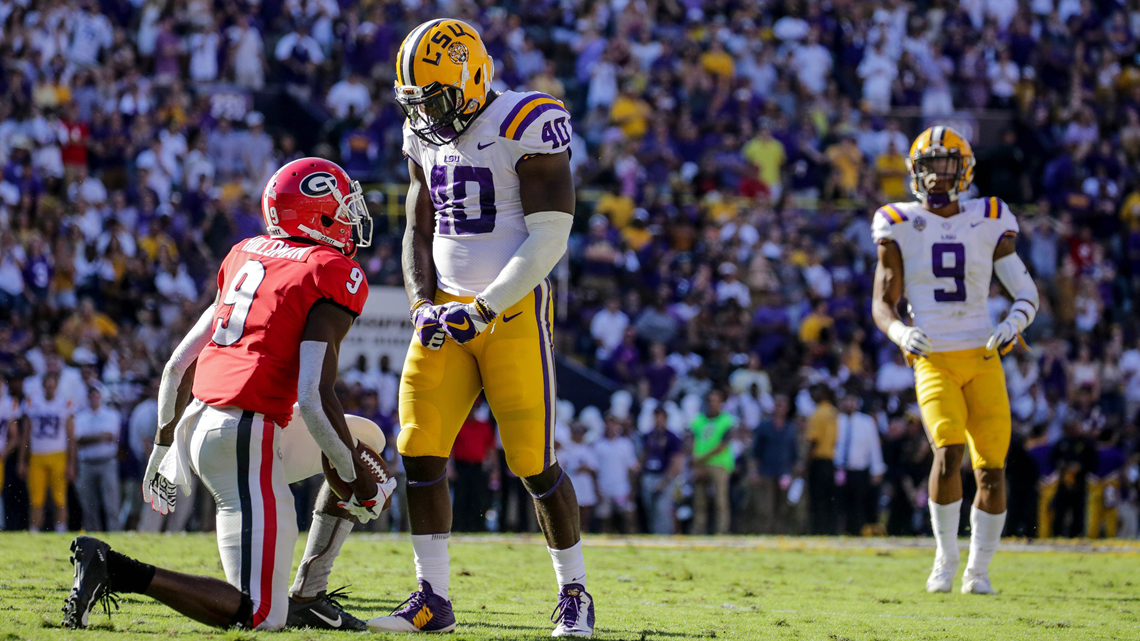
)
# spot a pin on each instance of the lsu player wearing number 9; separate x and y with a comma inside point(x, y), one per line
point(941, 253)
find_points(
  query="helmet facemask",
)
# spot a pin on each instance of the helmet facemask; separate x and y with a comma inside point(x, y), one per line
point(352, 211)
point(435, 112)
point(937, 176)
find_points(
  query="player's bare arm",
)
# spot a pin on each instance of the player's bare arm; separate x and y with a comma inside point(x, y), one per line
point(885, 296)
point(72, 448)
point(546, 183)
point(417, 260)
point(418, 264)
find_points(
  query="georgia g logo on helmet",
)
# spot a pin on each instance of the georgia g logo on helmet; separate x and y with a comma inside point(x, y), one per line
point(318, 184)
point(442, 76)
point(314, 198)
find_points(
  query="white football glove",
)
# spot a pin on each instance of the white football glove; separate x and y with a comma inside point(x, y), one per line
point(158, 490)
point(367, 509)
point(1008, 332)
point(911, 339)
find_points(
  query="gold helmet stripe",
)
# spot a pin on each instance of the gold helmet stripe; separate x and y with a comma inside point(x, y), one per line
point(411, 44)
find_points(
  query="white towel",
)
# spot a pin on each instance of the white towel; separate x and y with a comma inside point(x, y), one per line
point(175, 465)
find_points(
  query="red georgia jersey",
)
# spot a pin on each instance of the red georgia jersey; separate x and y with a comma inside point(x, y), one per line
point(268, 286)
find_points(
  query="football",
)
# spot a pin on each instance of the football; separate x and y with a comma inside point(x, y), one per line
point(372, 464)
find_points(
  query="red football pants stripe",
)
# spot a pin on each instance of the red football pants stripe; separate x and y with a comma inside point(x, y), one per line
point(269, 501)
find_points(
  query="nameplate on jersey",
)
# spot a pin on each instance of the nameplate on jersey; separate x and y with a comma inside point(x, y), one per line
point(276, 249)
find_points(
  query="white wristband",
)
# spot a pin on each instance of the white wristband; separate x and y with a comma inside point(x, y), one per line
point(896, 330)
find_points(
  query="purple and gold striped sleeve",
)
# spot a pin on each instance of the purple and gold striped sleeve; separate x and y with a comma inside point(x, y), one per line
point(539, 124)
point(885, 225)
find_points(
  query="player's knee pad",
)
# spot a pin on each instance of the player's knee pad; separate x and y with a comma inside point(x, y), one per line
point(366, 432)
point(525, 464)
point(415, 441)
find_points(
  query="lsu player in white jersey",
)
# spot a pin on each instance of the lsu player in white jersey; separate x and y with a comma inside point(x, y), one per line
point(941, 252)
point(489, 212)
point(48, 458)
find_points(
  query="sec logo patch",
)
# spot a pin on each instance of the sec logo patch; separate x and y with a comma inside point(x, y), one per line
point(318, 184)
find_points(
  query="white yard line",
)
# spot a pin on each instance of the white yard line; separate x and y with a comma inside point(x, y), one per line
point(804, 543)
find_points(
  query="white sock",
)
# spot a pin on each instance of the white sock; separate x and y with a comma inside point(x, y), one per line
point(326, 536)
point(60, 528)
point(569, 565)
point(432, 563)
point(944, 520)
point(985, 533)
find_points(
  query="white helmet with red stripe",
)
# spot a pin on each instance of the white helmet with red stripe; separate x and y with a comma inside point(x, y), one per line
point(314, 198)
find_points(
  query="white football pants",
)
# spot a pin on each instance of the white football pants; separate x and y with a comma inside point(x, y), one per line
point(247, 463)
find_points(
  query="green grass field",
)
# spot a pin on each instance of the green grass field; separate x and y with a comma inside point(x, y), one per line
point(661, 589)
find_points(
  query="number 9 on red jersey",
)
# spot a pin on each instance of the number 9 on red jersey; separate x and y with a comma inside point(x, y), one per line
point(267, 287)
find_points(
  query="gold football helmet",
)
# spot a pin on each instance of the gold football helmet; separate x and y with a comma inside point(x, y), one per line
point(442, 77)
point(941, 165)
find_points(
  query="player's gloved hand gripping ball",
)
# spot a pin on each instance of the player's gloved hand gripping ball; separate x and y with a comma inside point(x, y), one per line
point(369, 465)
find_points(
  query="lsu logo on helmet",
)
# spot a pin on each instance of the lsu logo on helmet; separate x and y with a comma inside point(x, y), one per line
point(442, 74)
point(941, 165)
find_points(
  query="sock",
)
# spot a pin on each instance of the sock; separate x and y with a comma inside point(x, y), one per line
point(33, 528)
point(985, 533)
point(569, 565)
point(127, 574)
point(60, 528)
point(326, 536)
point(944, 520)
point(432, 563)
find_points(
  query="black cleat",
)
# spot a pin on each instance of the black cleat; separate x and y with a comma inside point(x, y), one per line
point(325, 613)
point(92, 582)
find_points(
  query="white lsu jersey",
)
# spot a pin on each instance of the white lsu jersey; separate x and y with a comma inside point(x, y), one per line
point(947, 266)
point(475, 188)
point(48, 423)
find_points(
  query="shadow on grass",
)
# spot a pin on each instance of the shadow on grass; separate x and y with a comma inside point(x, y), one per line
point(644, 633)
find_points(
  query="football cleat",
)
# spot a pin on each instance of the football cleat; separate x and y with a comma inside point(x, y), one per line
point(423, 611)
point(942, 576)
point(325, 613)
point(976, 583)
point(574, 614)
point(92, 582)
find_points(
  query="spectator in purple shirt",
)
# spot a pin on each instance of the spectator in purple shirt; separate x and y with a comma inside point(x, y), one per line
point(624, 363)
point(661, 465)
point(775, 452)
point(38, 271)
point(658, 372)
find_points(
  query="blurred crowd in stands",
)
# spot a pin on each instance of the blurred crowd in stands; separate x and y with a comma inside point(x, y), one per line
point(729, 156)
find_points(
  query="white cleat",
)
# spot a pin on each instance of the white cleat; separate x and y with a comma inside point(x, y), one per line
point(942, 576)
point(574, 614)
point(976, 583)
